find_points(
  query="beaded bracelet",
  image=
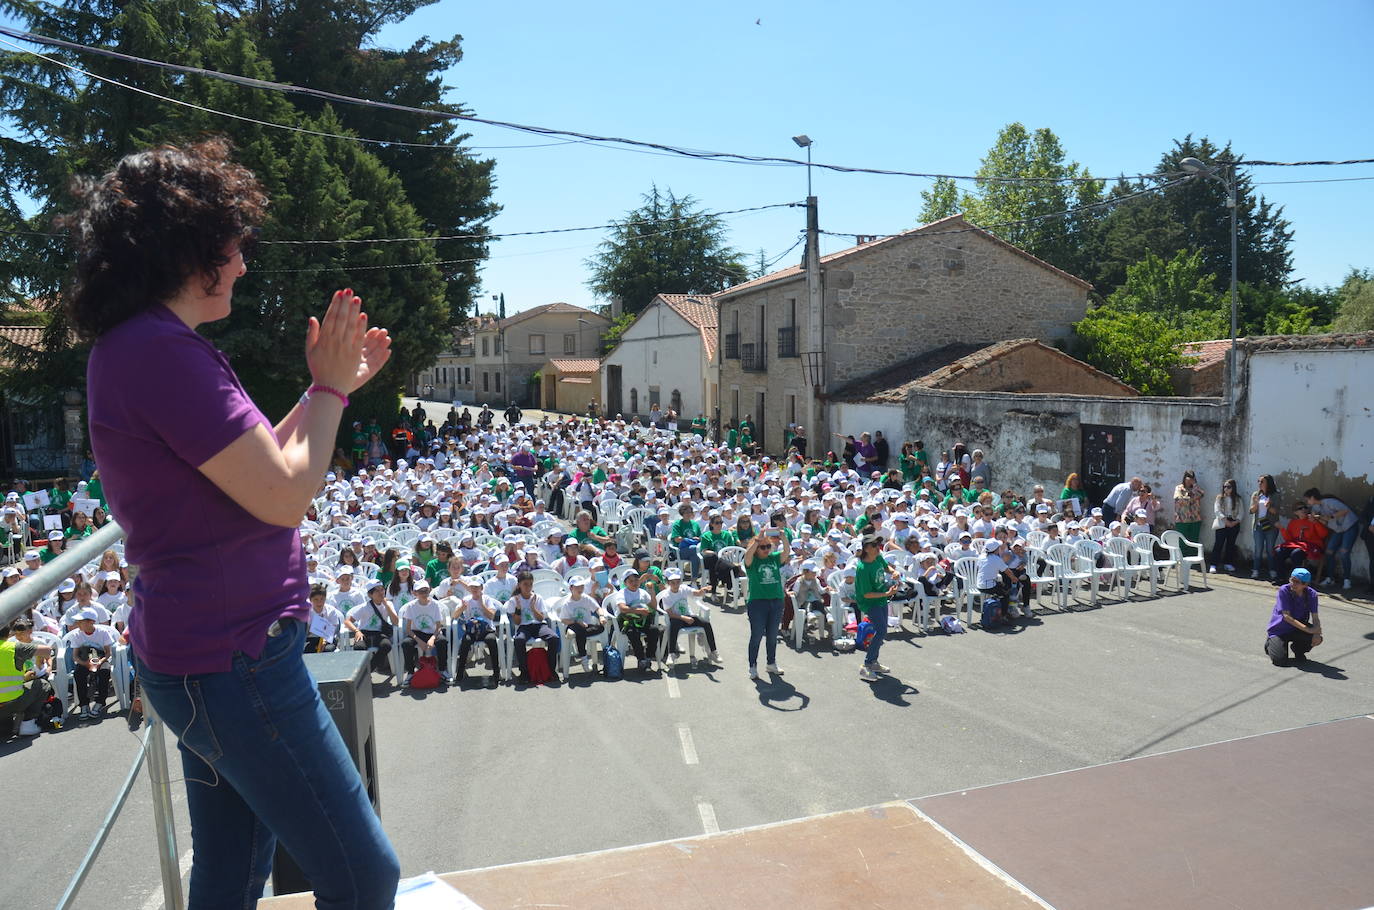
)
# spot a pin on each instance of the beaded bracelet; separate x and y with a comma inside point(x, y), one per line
point(332, 391)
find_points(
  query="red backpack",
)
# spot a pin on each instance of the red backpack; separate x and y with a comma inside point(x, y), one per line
point(537, 671)
point(426, 675)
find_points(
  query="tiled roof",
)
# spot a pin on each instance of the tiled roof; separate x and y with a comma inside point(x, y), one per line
point(953, 222)
point(28, 336)
point(558, 307)
point(938, 368)
point(1200, 354)
point(699, 310)
point(575, 364)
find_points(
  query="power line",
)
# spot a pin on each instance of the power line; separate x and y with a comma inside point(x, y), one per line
point(1319, 180)
point(1106, 203)
point(1307, 163)
point(734, 157)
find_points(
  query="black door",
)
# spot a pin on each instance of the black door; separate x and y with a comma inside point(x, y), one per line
point(1104, 459)
point(613, 383)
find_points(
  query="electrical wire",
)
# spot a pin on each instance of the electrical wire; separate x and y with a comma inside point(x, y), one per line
point(1307, 163)
point(733, 157)
point(1318, 180)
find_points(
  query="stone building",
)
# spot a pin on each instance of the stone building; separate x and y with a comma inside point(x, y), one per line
point(883, 303)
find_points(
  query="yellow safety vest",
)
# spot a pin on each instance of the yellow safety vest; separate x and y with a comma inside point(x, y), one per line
point(11, 679)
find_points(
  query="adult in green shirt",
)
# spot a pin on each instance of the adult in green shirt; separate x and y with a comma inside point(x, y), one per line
point(685, 534)
point(763, 565)
point(871, 590)
point(911, 467)
point(96, 490)
point(587, 533)
point(731, 439)
point(714, 539)
point(699, 426)
point(57, 544)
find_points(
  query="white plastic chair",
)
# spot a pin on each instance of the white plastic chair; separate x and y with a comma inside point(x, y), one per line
point(966, 576)
point(693, 632)
point(1038, 581)
point(1157, 570)
point(1186, 554)
point(1125, 561)
point(1088, 551)
point(551, 588)
point(1036, 540)
point(1068, 572)
point(609, 514)
point(740, 586)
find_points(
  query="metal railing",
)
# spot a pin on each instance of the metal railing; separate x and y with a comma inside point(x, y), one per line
point(754, 358)
point(22, 597)
point(731, 347)
point(787, 341)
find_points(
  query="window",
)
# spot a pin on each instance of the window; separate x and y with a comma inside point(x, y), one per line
point(570, 343)
point(675, 402)
point(486, 381)
point(536, 344)
point(498, 345)
point(787, 334)
point(498, 381)
point(734, 404)
point(469, 372)
point(732, 339)
point(634, 401)
point(485, 351)
point(791, 410)
point(654, 399)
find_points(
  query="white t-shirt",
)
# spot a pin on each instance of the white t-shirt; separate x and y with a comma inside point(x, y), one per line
point(101, 637)
point(582, 609)
point(345, 601)
point(102, 615)
point(325, 624)
point(522, 608)
point(111, 601)
point(990, 565)
point(450, 587)
point(498, 588)
point(676, 603)
point(368, 619)
point(471, 608)
point(425, 618)
point(565, 568)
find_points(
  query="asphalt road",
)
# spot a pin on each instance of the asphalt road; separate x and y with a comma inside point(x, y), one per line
point(476, 777)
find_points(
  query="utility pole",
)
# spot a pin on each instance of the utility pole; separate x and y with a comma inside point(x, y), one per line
point(814, 363)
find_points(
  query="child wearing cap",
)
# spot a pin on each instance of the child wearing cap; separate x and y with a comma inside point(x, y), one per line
point(808, 596)
point(676, 601)
point(423, 621)
point(324, 622)
point(371, 623)
point(477, 615)
point(581, 614)
point(57, 542)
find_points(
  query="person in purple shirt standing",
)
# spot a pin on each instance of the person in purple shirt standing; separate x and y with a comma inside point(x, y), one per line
point(1295, 621)
point(523, 463)
point(211, 495)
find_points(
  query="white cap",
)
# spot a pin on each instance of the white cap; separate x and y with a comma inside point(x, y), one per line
point(577, 581)
point(67, 585)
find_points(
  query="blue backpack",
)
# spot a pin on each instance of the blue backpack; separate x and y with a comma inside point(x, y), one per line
point(614, 661)
point(865, 635)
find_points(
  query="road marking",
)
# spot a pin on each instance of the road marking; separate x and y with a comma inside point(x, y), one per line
point(708, 816)
point(689, 748)
point(674, 690)
point(154, 901)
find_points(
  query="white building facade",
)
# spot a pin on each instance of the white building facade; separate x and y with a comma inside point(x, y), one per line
point(667, 357)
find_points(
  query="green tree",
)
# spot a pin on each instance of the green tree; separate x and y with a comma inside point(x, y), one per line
point(667, 245)
point(1355, 302)
point(1029, 214)
point(1139, 348)
point(322, 189)
point(1167, 288)
point(940, 201)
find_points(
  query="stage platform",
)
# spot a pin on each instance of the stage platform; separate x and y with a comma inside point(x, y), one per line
point(1278, 820)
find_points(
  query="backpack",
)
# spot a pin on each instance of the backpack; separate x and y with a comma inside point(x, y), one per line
point(537, 671)
point(427, 676)
point(613, 661)
point(951, 625)
point(992, 606)
point(865, 635)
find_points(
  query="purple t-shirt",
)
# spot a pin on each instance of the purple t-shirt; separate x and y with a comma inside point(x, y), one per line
point(1300, 608)
point(211, 578)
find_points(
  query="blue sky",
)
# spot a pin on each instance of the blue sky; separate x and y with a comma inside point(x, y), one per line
point(909, 85)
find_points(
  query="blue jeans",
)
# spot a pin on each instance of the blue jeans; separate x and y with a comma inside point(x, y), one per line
point(1263, 543)
point(263, 761)
point(764, 618)
point(1340, 544)
point(688, 551)
point(878, 619)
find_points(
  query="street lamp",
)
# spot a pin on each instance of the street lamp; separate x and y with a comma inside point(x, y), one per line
point(580, 323)
point(804, 141)
point(1196, 168)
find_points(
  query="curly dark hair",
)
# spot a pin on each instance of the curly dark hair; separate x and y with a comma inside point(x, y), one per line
point(142, 230)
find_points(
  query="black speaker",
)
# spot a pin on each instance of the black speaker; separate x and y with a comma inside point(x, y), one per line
point(345, 681)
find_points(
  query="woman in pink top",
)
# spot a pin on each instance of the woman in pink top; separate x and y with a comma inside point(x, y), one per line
point(211, 495)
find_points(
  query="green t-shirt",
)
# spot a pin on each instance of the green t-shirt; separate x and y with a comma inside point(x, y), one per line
point(714, 542)
point(47, 555)
point(72, 532)
point(910, 469)
point(435, 571)
point(59, 498)
point(765, 577)
point(871, 576)
point(581, 536)
point(96, 490)
point(684, 527)
point(598, 476)
point(731, 438)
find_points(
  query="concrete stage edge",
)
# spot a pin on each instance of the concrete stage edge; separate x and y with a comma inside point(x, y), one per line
point(1276, 820)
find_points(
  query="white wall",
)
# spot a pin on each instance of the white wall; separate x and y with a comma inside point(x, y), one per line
point(856, 419)
point(660, 349)
point(1311, 425)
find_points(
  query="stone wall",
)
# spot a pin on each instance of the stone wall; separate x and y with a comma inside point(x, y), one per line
point(887, 304)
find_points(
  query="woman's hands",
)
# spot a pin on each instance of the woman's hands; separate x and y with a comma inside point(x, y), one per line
point(342, 352)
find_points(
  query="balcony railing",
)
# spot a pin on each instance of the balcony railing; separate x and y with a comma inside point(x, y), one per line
point(787, 341)
point(732, 346)
point(753, 358)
